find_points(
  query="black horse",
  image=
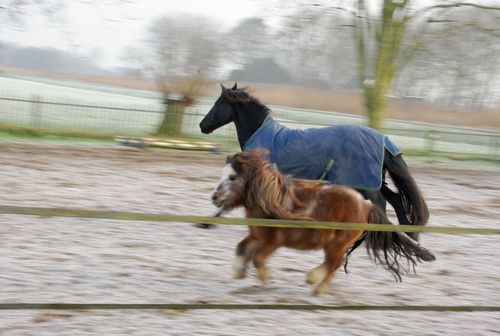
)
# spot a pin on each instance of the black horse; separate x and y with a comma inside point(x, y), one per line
point(250, 117)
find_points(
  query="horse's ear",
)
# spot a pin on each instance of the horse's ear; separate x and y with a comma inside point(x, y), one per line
point(223, 88)
point(235, 86)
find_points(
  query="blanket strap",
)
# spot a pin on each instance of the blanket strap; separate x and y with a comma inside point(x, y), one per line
point(327, 169)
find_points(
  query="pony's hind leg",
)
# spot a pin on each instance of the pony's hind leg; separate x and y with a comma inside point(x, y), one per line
point(332, 263)
point(334, 257)
point(317, 274)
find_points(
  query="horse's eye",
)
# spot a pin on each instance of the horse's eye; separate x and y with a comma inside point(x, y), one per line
point(232, 178)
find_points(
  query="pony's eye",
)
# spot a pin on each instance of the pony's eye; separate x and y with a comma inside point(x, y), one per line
point(232, 178)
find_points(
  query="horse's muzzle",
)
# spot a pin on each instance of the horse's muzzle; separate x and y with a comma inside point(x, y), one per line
point(204, 129)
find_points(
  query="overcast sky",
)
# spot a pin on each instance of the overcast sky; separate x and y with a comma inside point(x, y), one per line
point(103, 31)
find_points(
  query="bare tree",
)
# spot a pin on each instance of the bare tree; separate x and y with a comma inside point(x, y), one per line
point(389, 41)
point(181, 52)
point(16, 11)
point(388, 36)
point(314, 47)
point(249, 40)
point(465, 55)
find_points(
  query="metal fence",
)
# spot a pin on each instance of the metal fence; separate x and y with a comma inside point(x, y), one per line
point(143, 119)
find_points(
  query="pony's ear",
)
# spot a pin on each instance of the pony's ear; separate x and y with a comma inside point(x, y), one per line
point(223, 88)
point(235, 86)
point(236, 163)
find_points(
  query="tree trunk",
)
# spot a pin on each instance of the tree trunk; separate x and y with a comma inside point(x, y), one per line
point(377, 85)
point(171, 124)
point(376, 105)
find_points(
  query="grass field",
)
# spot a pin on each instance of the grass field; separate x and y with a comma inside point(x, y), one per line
point(69, 106)
point(348, 102)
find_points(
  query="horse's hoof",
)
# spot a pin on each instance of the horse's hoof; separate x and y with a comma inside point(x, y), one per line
point(205, 226)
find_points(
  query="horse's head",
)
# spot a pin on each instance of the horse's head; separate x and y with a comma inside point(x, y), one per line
point(220, 114)
point(236, 105)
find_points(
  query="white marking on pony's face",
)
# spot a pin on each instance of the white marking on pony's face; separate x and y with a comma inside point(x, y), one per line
point(224, 187)
point(226, 174)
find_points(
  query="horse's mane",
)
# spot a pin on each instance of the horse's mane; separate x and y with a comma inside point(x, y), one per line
point(235, 96)
point(266, 188)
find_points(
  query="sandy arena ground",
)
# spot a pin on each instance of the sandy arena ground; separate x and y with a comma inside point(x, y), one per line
point(104, 261)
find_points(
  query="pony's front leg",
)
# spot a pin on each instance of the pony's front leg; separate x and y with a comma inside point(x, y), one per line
point(263, 252)
point(244, 252)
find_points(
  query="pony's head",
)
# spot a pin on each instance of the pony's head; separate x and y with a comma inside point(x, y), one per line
point(231, 191)
point(251, 181)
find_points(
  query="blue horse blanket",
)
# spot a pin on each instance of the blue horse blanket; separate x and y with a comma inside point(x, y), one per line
point(357, 152)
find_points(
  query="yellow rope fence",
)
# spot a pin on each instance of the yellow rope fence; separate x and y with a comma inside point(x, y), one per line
point(222, 306)
point(135, 216)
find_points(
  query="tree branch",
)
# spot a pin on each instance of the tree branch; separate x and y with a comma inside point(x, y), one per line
point(452, 6)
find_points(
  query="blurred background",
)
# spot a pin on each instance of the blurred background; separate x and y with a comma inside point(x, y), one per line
point(75, 76)
point(142, 68)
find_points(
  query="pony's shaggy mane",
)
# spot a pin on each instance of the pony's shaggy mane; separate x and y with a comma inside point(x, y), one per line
point(266, 187)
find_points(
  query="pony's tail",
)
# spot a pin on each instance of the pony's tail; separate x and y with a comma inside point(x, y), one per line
point(408, 201)
point(395, 250)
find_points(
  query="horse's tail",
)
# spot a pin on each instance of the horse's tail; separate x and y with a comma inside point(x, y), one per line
point(389, 248)
point(408, 202)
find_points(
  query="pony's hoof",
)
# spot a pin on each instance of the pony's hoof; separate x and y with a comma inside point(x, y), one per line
point(240, 275)
point(205, 226)
point(264, 277)
point(310, 280)
point(314, 276)
point(321, 289)
point(239, 267)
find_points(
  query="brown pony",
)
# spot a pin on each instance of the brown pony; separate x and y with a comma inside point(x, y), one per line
point(253, 183)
